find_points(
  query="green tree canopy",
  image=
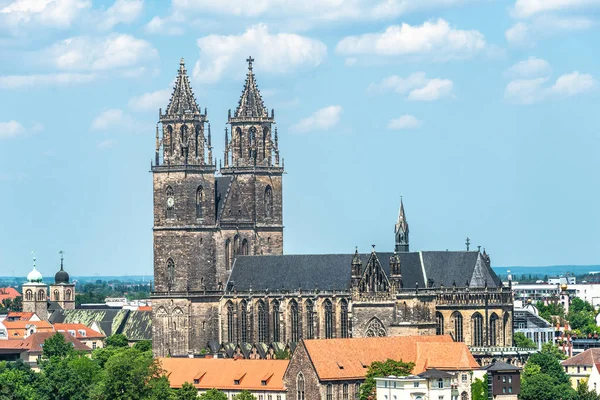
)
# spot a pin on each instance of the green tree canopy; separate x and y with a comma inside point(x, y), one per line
point(143, 345)
point(583, 392)
point(523, 341)
point(380, 369)
point(17, 381)
point(479, 388)
point(117, 340)
point(544, 378)
point(57, 346)
point(213, 394)
point(244, 395)
point(186, 392)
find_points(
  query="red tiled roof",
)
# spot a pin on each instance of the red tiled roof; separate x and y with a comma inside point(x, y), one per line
point(89, 333)
point(223, 373)
point(336, 359)
point(34, 342)
point(8, 293)
point(144, 308)
point(588, 357)
point(17, 329)
point(20, 315)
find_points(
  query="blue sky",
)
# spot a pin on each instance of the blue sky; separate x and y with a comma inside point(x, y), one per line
point(482, 114)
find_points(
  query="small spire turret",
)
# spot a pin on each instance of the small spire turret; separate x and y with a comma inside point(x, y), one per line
point(401, 230)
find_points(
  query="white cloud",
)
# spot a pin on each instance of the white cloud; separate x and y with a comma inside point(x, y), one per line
point(107, 144)
point(11, 129)
point(113, 118)
point(529, 91)
point(518, 35)
point(54, 13)
point(99, 53)
point(122, 11)
point(18, 81)
point(404, 122)
point(171, 25)
point(532, 67)
point(276, 53)
point(436, 40)
point(528, 8)
point(525, 34)
point(573, 84)
point(150, 101)
point(416, 86)
point(321, 120)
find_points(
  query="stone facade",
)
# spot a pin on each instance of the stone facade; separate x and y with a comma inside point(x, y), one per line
point(220, 276)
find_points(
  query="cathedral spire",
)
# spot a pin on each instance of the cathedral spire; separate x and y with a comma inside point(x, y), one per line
point(182, 100)
point(401, 229)
point(251, 103)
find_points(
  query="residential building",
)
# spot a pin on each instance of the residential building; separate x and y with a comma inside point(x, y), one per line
point(594, 379)
point(23, 329)
point(91, 338)
point(333, 369)
point(504, 381)
point(431, 384)
point(263, 378)
point(22, 316)
point(580, 366)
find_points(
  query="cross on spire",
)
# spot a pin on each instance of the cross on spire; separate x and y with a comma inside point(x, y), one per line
point(250, 60)
point(468, 243)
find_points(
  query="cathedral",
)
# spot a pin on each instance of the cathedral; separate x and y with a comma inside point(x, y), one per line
point(221, 275)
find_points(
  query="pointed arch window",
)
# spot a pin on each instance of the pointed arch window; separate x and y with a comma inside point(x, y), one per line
point(300, 386)
point(240, 140)
point(170, 273)
point(356, 391)
point(227, 255)
point(230, 326)
point(375, 328)
point(170, 139)
point(439, 320)
point(344, 318)
point(243, 321)
point(236, 246)
point(199, 198)
point(494, 330)
point(265, 143)
point(477, 326)
point(507, 328)
point(244, 250)
point(310, 319)
point(328, 319)
point(345, 391)
point(275, 320)
point(268, 202)
point(457, 320)
point(170, 202)
point(197, 143)
point(56, 295)
point(294, 321)
point(252, 144)
point(329, 391)
point(68, 295)
point(263, 322)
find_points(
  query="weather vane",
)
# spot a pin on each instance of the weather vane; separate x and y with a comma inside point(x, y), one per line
point(33, 254)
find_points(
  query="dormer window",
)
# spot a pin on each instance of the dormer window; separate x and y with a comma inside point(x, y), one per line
point(263, 383)
point(71, 332)
point(81, 332)
point(236, 382)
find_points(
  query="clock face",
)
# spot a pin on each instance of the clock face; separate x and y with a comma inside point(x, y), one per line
point(170, 202)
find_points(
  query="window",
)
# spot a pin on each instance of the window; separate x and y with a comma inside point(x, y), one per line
point(330, 392)
point(578, 369)
point(294, 321)
point(199, 196)
point(243, 321)
point(415, 384)
point(56, 296)
point(227, 255)
point(328, 319)
point(230, 326)
point(464, 377)
point(244, 250)
point(356, 391)
point(170, 273)
point(510, 379)
point(239, 135)
point(464, 396)
point(510, 389)
point(170, 203)
point(345, 391)
point(68, 295)
point(494, 330)
point(440, 383)
point(261, 397)
point(40, 295)
point(268, 202)
point(477, 321)
point(28, 295)
point(504, 379)
point(300, 386)
point(439, 319)
point(440, 397)
point(236, 246)
point(310, 319)
point(344, 318)
point(458, 326)
point(275, 317)
point(263, 322)
point(93, 345)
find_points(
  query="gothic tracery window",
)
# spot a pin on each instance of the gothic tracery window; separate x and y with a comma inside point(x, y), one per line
point(300, 386)
point(294, 321)
point(28, 295)
point(439, 320)
point(329, 391)
point(199, 196)
point(344, 318)
point(457, 320)
point(275, 315)
point(56, 295)
point(375, 328)
point(240, 140)
point(328, 319)
point(263, 322)
point(265, 142)
point(245, 248)
point(170, 273)
point(494, 330)
point(170, 202)
point(230, 326)
point(40, 295)
point(236, 246)
point(477, 321)
point(268, 202)
point(310, 319)
point(243, 321)
point(227, 255)
point(345, 391)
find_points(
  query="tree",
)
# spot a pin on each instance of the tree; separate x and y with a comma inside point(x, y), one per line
point(70, 377)
point(57, 346)
point(143, 345)
point(544, 378)
point(479, 388)
point(584, 393)
point(17, 381)
point(117, 340)
point(244, 395)
point(523, 341)
point(381, 369)
point(551, 348)
point(282, 355)
point(8, 305)
point(186, 392)
point(213, 394)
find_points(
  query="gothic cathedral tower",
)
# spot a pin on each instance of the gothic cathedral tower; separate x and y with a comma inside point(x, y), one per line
point(401, 231)
point(202, 222)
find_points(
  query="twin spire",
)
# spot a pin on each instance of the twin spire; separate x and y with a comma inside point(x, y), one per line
point(182, 100)
point(251, 104)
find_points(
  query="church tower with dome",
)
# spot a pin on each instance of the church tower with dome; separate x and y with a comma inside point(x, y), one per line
point(63, 291)
point(35, 294)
